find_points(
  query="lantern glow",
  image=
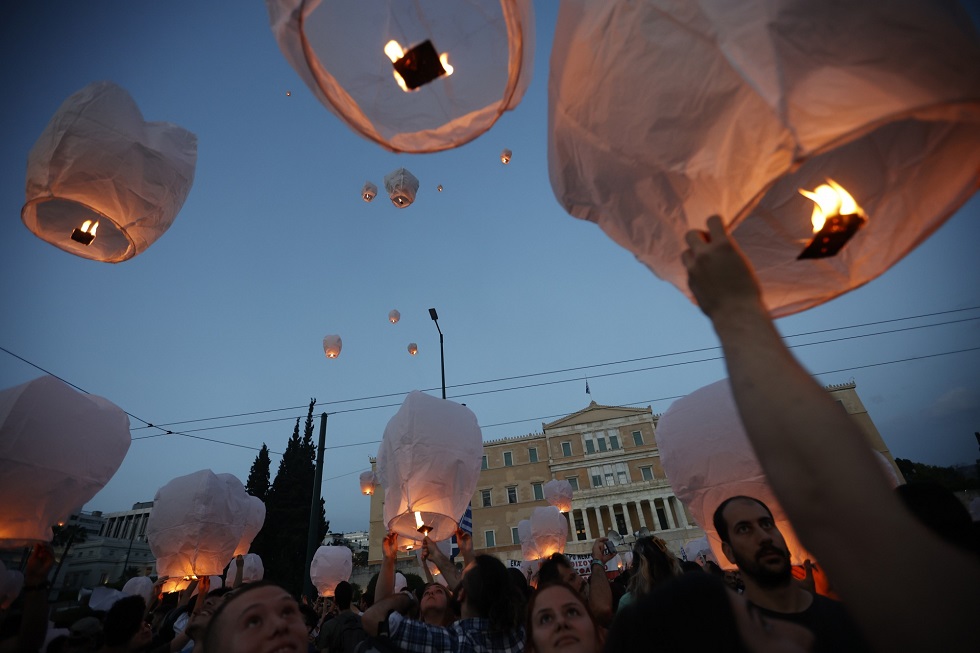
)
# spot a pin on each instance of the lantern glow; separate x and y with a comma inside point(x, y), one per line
point(505, 156)
point(86, 233)
point(413, 348)
point(421, 527)
point(330, 566)
point(417, 66)
point(369, 191)
point(332, 346)
point(394, 316)
point(368, 483)
point(836, 218)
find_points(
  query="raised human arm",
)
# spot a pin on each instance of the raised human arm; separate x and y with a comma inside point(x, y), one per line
point(442, 562)
point(600, 591)
point(374, 616)
point(464, 541)
point(385, 586)
point(825, 475)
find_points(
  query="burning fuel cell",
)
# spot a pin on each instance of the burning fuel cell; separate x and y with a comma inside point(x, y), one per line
point(836, 218)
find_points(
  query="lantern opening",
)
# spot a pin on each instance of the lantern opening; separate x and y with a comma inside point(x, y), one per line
point(417, 66)
point(836, 218)
point(422, 528)
point(86, 233)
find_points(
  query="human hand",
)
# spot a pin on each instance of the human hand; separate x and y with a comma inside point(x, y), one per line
point(389, 545)
point(240, 561)
point(39, 564)
point(600, 550)
point(430, 550)
point(717, 272)
point(807, 582)
point(464, 541)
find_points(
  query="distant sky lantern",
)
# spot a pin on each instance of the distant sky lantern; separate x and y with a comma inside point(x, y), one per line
point(332, 346)
point(368, 483)
point(102, 183)
point(744, 104)
point(58, 448)
point(330, 566)
point(369, 192)
point(402, 187)
point(196, 524)
point(439, 188)
point(559, 494)
point(505, 156)
point(412, 77)
point(429, 463)
point(413, 348)
point(394, 316)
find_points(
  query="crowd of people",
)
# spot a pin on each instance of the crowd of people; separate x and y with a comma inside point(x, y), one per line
point(902, 583)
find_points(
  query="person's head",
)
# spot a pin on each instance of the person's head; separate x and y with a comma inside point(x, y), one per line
point(257, 617)
point(559, 621)
point(85, 635)
point(343, 594)
point(674, 616)
point(653, 563)
point(558, 569)
point(750, 540)
point(486, 592)
point(198, 623)
point(437, 607)
point(124, 628)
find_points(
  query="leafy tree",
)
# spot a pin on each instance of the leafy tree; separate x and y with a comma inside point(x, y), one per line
point(258, 477)
point(948, 477)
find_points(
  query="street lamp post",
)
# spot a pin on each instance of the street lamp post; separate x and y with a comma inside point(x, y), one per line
point(442, 353)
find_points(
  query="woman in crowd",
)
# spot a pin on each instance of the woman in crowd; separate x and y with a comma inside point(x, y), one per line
point(558, 620)
point(652, 565)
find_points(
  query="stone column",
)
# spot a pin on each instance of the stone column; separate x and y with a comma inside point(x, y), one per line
point(670, 517)
point(629, 522)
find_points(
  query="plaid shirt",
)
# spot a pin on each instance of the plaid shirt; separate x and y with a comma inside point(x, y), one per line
point(464, 636)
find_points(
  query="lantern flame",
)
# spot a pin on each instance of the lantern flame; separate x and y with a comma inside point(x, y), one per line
point(444, 60)
point(418, 519)
point(86, 233)
point(831, 200)
point(395, 52)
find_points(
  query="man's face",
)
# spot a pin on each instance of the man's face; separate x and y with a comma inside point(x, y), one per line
point(755, 544)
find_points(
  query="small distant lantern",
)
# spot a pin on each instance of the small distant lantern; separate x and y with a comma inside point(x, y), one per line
point(102, 183)
point(402, 187)
point(387, 69)
point(544, 534)
point(505, 156)
point(429, 464)
point(394, 316)
point(369, 192)
point(559, 494)
point(288, 93)
point(413, 348)
point(331, 565)
point(58, 448)
point(439, 188)
point(196, 524)
point(884, 102)
point(331, 346)
point(253, 569)
point(368, 483)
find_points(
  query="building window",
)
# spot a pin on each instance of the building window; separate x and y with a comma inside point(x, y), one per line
point(515, 535)
point(508, 459)
point(647, 473)
point(621, 477)
point(589, 446)
point(566, 449)
point(484, 464)
point(579, 529)
point(610, 479)
point(614, 442)
point(596, 480)
point(538, 491)
point(491, 540)
point(532, 454)
point(637, 438)
point(573, 481)
point(512, 494)
point(602, 444)
point(485, 495)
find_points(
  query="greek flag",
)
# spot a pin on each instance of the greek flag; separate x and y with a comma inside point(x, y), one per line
point(466, 523)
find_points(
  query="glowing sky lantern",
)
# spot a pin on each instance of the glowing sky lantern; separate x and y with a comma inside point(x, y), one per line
point(505, 156)
point(368, 483)
point(394, 316)
point(742, 106)
point(332, 346)
point(559, 494)
point(429, 463)
point(252, 569)
point(412, 77)
point(544, 534)
point(402, 187)
point(102, 183)
point(58, 448)
point(369, 191)
point(330, 566)
point(413, 348)
point(439, 188)
point(196, 524)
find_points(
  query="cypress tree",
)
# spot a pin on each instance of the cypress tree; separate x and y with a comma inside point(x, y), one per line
point(258, 477)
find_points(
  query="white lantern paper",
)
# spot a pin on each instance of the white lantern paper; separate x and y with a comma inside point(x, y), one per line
point(103, 598)
point(559, 494)
point(546, 533)
point(699, 548)
point(331, 346)
point(741, 105)
point(394, 316)
point(58, 448)
point(400, 581)
point(369, 192)
point(196, 524)
point(528, 551)
point(252, 569)
point(330, 566)
point(413, 348)
point(176, 584)
point(402, 187)
point(11, 584)
point(139, 586)
point(99, 162)
point(253, 523)
point(368, 482)
point(429, 462)
point(340, 50)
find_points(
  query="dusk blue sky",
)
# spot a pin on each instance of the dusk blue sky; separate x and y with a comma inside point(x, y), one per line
point(274, 249)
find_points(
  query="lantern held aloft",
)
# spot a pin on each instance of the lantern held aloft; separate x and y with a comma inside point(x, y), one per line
point(368, 483)
point(330, 566)
point(412, 77)
point(429, 463)
point(252, 569)
point(58, 448)
point(742, 106)
point(102, 183)
point(559, 494)
point(394, 316)
point(139, 586)
point(332, 346)
point(254, 521)
point(402, 187)
point(369, 192)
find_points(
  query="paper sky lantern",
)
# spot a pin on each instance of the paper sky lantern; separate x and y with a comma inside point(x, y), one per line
point(58, 448)
point(505, 156)
point(439, 188)
point(103, 598)
point(252, 569)
point(559, 494)
point(196, 524)
point(369, 192)
point(330, 566)
point(402, 187)
point(101, 182)
point(175, 584)
point(413, 348)
point(428, 462)
point(742, 106)
point(412, 77)
point(368, 483)
point(332, 346)
point(139, 586)
point(394, 316)
point(11, 583)
point(253, 523)
point(400, 581)
point(543, 534)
